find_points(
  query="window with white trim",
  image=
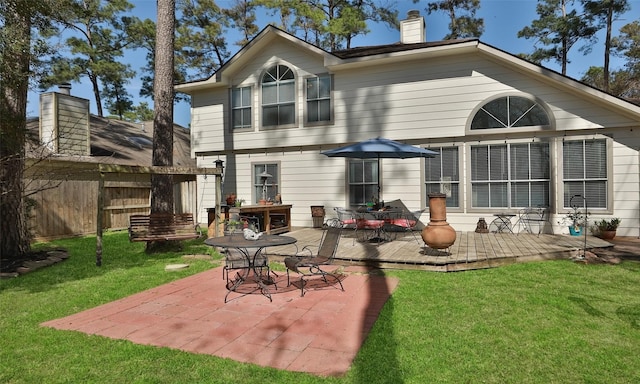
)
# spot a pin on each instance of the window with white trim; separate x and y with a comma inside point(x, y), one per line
point(241, 107)
point(363, 181)
point(584, 168)
point(319, 98)
point(270, 187)
point(441, 175)
point(512, 175)
point(278, 96)
point(510, 112)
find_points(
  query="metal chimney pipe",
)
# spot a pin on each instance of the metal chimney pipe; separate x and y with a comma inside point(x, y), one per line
point(65, 88)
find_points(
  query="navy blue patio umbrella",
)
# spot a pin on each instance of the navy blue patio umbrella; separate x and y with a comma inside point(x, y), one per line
point(379, 148)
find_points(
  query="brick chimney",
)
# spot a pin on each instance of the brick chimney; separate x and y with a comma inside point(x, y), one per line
point(413, 29)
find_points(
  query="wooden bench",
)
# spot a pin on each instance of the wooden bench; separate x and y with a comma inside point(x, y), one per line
point(162, 227)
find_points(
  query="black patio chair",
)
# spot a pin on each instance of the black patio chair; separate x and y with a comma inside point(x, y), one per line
point(311, 265)
point(347, 219)
point(408, 222)
point(235, 260)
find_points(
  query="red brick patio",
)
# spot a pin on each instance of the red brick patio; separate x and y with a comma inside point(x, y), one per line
point(319, 333)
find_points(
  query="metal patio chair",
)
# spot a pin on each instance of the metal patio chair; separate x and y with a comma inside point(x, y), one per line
point(408, 222)
point(347, 220)
point(532, 220)
point(372, 226)
point(312, 264)
point(235, 260)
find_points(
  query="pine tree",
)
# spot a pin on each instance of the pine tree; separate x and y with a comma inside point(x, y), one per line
point(20, 51)
point(606, 11)
point(162, 185)
point(557, 31)
point(463, 22)
point(99, 40)
point(330, 24)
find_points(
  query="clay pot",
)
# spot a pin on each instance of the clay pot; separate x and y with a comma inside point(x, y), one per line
point(607, 235)
point(438, 234)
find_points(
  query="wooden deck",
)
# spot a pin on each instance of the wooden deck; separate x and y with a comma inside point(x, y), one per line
point(470, 251)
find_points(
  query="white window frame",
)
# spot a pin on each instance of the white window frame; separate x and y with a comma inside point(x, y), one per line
point(242, 107)
point(273, 183)
point(371, 185)
point(318, 100)
point(445, 183)
point(565, 193)
point(507, 180)
point(279, 84)
point(510, 127)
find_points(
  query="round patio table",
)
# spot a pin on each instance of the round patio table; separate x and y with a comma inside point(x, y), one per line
point(380, 218)
point(250, 249)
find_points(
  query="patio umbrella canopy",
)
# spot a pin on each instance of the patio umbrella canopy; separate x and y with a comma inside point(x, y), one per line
point(379, 148)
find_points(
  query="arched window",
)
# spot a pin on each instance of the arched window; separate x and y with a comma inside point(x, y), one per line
point(510, 112)
point(278, 96)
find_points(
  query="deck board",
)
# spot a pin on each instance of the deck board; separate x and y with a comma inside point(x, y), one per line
point(471, 250)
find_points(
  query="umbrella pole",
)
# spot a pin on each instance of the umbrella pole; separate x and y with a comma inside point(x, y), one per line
point(379, 181)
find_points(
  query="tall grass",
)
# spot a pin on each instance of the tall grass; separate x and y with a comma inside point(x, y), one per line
point(548, 322)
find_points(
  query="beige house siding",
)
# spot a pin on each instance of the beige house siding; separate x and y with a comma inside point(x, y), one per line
point(426, 102)
point(408, 108)
point(626, 179)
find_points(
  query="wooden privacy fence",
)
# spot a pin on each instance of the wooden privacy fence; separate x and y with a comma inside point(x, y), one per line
point(66, 195)
point(68, 208)
point(85, 190)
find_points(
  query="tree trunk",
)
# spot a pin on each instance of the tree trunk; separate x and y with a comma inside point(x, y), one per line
point(162, 185)
point(14, 239)
point(96, 93)
point(607, 49)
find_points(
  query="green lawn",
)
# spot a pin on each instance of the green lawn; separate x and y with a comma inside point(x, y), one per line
point(546, 322)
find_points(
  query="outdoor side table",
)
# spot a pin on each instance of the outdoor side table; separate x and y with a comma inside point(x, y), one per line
point(250, 249)
point(502, 222)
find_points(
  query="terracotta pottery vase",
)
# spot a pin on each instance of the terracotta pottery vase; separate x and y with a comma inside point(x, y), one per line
point(607, 235)
point(438, 234)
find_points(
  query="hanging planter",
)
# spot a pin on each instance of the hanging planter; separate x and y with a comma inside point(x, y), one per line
point(575, 220)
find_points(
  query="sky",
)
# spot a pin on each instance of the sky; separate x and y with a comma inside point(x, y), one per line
point(502, 19)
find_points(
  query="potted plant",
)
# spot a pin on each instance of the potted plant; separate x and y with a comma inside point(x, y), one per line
point(575, 221)
point(238, 202)
point(231, 199)
point(606, 229)
point(233, 227)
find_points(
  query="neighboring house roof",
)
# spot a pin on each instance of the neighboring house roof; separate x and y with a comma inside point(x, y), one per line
point(386, 54)
point(120, 142)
